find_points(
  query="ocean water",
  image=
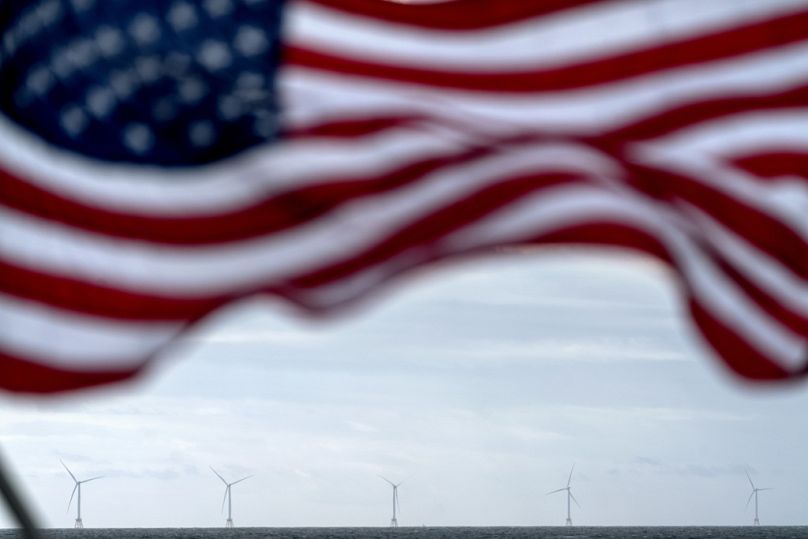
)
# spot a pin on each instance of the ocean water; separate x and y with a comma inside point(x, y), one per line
point(767, 532)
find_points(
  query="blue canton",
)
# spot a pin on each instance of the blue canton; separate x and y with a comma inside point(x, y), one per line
point(156, 82)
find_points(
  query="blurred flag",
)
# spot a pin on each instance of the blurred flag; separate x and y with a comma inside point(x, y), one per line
point(161, 158)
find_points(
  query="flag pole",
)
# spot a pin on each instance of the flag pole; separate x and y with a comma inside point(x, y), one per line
point(15, 504)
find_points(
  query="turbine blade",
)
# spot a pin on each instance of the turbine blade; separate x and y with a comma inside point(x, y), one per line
point(570, 477)
point(750, 479)
point(240, 480)
point(391, 483)
point(576, 501)
point(554, 491)
point(68, 471)
point(750, 498)
point(226, 492)
point(398, 503)
point(767, 488)
point(218, 475)
point(75, 487)
point(91, 479)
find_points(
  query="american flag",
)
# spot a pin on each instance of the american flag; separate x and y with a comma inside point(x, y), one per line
point(161, 158)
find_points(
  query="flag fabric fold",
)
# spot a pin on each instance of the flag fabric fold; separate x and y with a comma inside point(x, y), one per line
point(164, 160)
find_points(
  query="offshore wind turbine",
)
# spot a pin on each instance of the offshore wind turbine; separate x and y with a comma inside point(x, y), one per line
point(77, 488)
point(228, 497)
point(569, 496)
point(754, 494)
point(396, 505)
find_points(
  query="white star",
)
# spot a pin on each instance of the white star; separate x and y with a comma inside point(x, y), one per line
point(82, 5)
point(265, 125)
point(138, 138)
point(49, 12)
point(217, 8)
point(192, 90)
point(148, 68)
point(251, 41)
point(182, 16)
point(40, 80)
point(214, 55)
point(82, 53)
point(100, 101)
point(230, 107)
point(73, 120)
point(145, 29)
point(109, 40)
point(123, 82)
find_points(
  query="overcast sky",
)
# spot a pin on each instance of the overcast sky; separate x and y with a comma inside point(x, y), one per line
point(478, 386)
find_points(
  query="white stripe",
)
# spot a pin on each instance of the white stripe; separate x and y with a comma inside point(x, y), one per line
point(571, 36)
point(201, 271)
point(222, 187)
point(312, 94)
point(698, 152)
point(786, 203)
point(707, 146)
point(71, 340)
point(543, 213)
point(742, 134)
point(769, 275)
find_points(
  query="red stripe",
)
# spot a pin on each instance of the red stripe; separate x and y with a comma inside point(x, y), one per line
point(667, 120)
point(267, 216)
point(454, 15)
point(33, 376)
point(793, 320)
point(355, 127)
point(593, 232)
point(424, 232)
point(768, 234)
point(775, 164)
point(742, 358)
point(95, 299)
point(686, 52)
point(607, 233)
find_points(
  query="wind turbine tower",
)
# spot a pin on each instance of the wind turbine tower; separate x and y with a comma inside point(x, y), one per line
point(754, 494)
point(396, 506)
point(570, 497)
point(228, 497)
point(77, 488)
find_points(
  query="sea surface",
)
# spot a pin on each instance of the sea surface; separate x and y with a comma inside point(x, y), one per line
point(768, 532)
